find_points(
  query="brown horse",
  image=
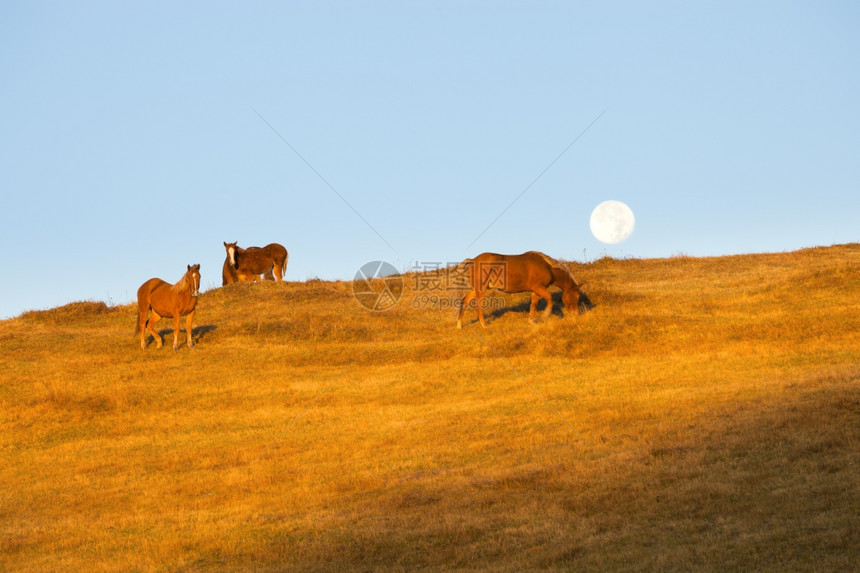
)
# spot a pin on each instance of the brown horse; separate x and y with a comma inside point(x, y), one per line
point(172, 301)
point(531, 271)
point(248, 264)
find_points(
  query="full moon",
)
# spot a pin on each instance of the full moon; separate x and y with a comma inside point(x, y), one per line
point(612, 222)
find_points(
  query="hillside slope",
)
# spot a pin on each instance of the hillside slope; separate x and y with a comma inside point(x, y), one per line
point(704, 415)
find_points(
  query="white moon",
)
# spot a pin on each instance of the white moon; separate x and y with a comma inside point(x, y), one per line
point(612, 222)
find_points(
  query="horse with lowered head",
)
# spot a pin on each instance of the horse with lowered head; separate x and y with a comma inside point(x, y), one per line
point(248, 264)
point(157, 298)
point(529, 272)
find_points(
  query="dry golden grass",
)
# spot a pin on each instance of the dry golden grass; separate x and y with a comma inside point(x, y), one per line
point(704, 416)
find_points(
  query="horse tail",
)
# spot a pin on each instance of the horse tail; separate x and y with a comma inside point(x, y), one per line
point(137, 321)
point(284, 264)
point(464, 274)
point(143, 300)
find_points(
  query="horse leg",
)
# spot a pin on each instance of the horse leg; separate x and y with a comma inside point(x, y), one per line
point(542, 292)
point(141, 326)
point(466, 300)
point(479, 299)
point(276, 270)
point(533, 307)
point(188, 328)
point(176, 317)
point(150, 326)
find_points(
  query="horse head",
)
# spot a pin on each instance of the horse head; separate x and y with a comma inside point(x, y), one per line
point(193, 276)
point(572, 295)
point(583, 303)
point(231, 254)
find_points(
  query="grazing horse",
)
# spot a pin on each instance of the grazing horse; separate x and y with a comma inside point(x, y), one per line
point(172, 301)
point(248, 264)
point(531, 271)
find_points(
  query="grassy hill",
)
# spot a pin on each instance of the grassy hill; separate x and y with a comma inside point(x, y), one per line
point(705, 415)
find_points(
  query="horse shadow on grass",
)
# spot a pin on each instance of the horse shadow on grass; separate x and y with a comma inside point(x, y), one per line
point(198, 333)
point(585, 305)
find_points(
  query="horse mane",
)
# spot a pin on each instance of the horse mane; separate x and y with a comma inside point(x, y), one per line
point(548, 259)
point(182, 285)
point(560, 271)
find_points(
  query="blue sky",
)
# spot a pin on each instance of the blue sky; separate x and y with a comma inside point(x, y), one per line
point(137, 137)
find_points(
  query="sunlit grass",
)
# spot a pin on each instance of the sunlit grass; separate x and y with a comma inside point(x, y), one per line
point(704, 415)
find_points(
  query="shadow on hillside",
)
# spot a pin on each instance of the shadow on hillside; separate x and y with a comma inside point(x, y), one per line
point(798, 448)
point(558, 309)
point(197, 333)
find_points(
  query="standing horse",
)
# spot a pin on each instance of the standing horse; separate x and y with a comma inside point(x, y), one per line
point(248, 264)
point(171, 301)
point(531, 271)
